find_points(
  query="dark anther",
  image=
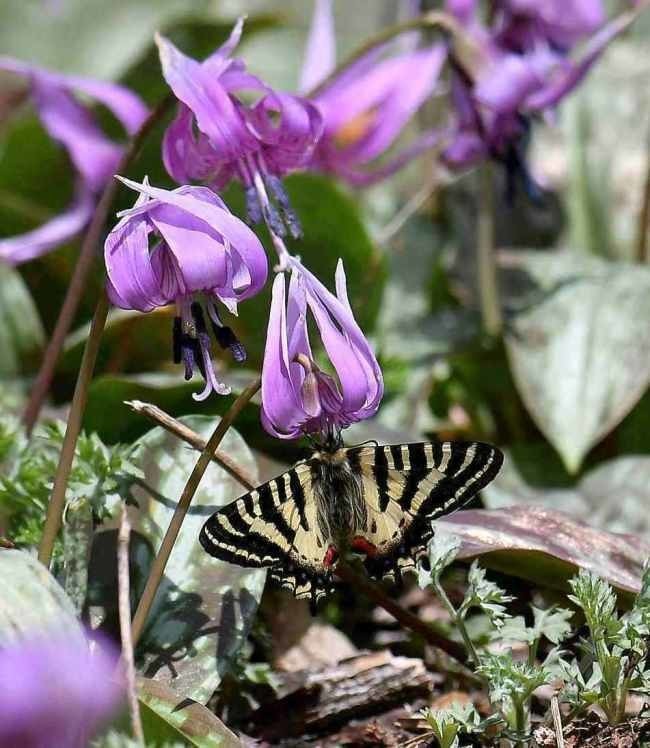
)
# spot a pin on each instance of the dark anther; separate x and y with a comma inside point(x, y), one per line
point(177, 340)
point(227, 339)
point(253, 205)
point(198, 317)
point(282, 198)
point(188, 349)
point(273, 220)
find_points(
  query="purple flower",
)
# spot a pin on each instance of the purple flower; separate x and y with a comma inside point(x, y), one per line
point(216, 137)
point(185, 247)
point(93, 155)
point(298, 397)
point(367, 106)
point(55, 692)
point(524, 70)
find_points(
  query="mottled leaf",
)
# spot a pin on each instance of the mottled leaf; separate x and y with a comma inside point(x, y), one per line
point(167, 718)
point(613, 496)
point(546, 547)
point(204, 607)
point(579, 345)
point(32, 601)
point(21, 332)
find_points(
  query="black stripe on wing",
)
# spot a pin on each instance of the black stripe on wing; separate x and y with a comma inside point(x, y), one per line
point(466, 468)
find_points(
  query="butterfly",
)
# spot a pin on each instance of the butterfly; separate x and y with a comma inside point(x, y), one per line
point(377, 501)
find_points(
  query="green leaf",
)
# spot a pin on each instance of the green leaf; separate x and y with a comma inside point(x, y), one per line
point(21, 331)
point(166, 717)
point(579, 346)
point(484, 594)
point(548, 547)
point(88, 37)
point(32, 601)
point(204, 607)
point(442, 551)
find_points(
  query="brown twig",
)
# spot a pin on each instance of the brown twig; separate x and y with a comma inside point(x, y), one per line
point(183, 432)
point(160, 562)
point(124, 605)
point(410, 621)
point(345, 573)
point(85, 262)
point(72, 429)
point(557, 721)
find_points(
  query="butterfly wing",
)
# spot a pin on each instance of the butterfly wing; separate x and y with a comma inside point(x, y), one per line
point(274, 526)
point(407, 486)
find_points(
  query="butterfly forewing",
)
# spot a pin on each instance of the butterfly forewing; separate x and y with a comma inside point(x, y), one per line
point(283, 524)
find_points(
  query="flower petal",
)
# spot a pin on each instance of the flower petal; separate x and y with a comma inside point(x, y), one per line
point(320, 52)
point(53, 233)
point(95, 156)
point(282, 414)
point(216, 114)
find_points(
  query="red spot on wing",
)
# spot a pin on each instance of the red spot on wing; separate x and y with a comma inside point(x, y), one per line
point(363, 546)
point(331, 557)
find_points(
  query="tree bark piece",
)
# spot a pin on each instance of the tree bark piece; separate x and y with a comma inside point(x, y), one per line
point(317, 701)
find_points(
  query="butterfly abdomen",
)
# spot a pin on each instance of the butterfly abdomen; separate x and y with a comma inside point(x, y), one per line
point(341, 509)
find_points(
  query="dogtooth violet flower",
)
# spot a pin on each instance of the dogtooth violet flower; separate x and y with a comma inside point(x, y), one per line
point(55, 692)
point(185, 247)
point(216, 136)
point(367, 105)
point(298, 397)
point(92, 154)
point(524, 70)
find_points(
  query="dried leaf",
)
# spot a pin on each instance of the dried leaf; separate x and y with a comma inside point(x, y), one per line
point(547, 547)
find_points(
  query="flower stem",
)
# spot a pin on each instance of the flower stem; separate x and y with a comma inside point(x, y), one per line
point(85, 263)
point(183, 432)
point(520, 723)
point(124, 606)
point(459, 620)
point(160, 562)
point(486, 258)
point(72, 429)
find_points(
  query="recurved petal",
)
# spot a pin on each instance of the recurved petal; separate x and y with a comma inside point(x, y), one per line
point(282, 413)
point(216, 222)
point(132, 282)
point(511, 78)
point(216, 114)
point(60, 229)
point(187, 155)
point(320, 52)
point(94, 156)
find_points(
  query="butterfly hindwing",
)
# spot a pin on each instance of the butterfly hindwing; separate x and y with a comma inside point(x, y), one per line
point(408, 486)
point(274, 526)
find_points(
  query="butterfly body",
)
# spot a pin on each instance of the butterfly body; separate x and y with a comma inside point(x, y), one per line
point(376, 501)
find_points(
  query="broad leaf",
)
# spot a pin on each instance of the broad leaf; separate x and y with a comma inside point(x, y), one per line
point(579, 345)
point(204, 607)
point(32, 601)
point(547, 547)
point(21, 331)
point(168, 718)
point(613, 496)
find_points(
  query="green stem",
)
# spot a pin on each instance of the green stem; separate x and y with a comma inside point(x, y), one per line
point(160, 562)
point(85, 263)
point(520, 723)
point(486, 257)
point(73, 427)
point(459, 620)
